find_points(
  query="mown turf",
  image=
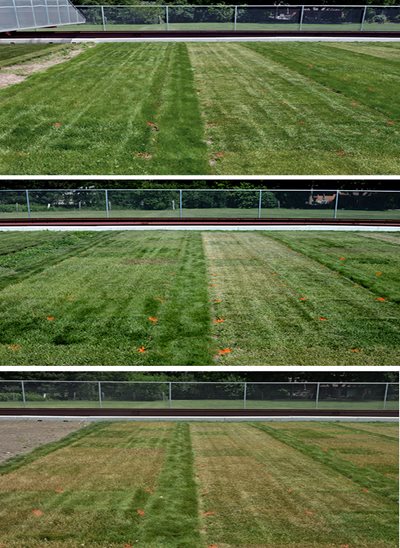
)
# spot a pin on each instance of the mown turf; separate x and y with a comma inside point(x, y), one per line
point(192, 298)
point(205, 484)
point(120, 298)
point(226, 108)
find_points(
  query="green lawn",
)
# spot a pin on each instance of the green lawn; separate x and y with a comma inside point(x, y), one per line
point(227, 108)
point(193, 298)
point(201, 404)
point(21, 212)
point(206, 484)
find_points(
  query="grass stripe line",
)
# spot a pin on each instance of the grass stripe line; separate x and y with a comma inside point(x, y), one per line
point(366, 477)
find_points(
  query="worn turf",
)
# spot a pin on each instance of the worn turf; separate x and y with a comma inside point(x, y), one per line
point(223, 108)
point(192, 298)
point(206, 484)
point(20, 53)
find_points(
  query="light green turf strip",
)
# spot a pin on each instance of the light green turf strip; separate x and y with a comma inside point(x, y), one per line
point(264, 117)
point(273, 305)
point(117, 108)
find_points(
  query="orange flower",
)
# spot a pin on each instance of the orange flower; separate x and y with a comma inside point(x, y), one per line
point(141, 349)
point(224, 351)
point(219, 320)
point(378, 274)
point(59, 490)
point(380, 299)
point(128, 546)
point(152, 319)
point(342, 258)
point(37, 513)
point(213, 546)
point(303, 299)
point(50, 318)
point(140, 512)
point(356, 350)
point(206, 514)
point(323, 319)
point(217, 301)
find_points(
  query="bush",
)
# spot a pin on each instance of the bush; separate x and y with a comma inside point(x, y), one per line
point(381, 18)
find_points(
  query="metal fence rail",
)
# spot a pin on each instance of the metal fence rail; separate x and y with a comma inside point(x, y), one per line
point(154, 17)
point(28, 14)
point(188, 203)
point(207, 395)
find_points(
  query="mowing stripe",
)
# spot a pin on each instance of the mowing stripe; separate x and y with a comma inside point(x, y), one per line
point(171, 514)
point(371, 432)
point(367, 478)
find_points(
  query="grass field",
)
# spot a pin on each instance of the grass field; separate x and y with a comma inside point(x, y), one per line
point(202, 404)
point(192, 298)
point(243, 108)
point(212, 213)
point(206, 484)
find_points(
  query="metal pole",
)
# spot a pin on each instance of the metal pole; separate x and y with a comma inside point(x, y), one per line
point(245, 395)
point(170, 394)
point(364, 14)
point(103, 19)
point(16, 14)
point(167, 17)
point(180, 204)
point(385, 396)
point(317, 396)
point(301, 18)
point(259, 204)
point(100, 399)
point(33, 15)
point(107, 209)
point(28, 204)
point(47, 11)
point(336, 205)
point(235, 19)
point(23, 393)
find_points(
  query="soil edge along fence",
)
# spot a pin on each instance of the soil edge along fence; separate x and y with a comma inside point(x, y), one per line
point(180, 204)
point(296, 396)
point(232, 18)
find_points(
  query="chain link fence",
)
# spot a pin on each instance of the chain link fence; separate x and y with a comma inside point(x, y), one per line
point(200, 395)
point(22, 14)
point(29, 14)
point(189, 204)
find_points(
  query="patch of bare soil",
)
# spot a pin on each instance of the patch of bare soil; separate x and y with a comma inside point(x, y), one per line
point(14, 74)
point(21, 436)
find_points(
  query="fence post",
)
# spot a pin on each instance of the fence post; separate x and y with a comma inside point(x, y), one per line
point(46, 4)
point(28, 204)
point(33, 15)
point(167, 17)
point(107, 208)
point(170, 395)
point(235, 19)
point(180, 204)
point(23, 393)
point(301, 18)
point(385, 396)
point(336, 205)
point(103, 19)
point(364, 14)
point(259, 204)
point(317, 396)
point(100, 398)
point(245, 396)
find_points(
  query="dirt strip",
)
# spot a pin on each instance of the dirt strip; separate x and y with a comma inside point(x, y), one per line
point(14, 74)
point(18, 437)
